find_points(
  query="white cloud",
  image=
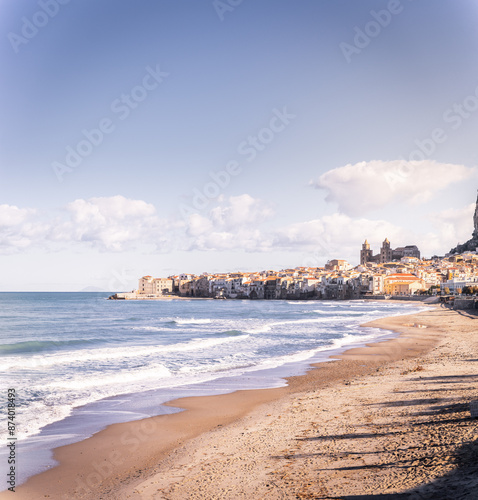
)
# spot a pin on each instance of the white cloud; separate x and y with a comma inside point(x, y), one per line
point(336, 234)
point(110, 223)
point(454, 226)
point(110, 208)
point(247, 239)
point(198, 225)
point(18, 228)
point(235, 224)
point(241, 210)
point(11, 215)
point(231, 224)
point(333, 236)
point(341, 236)
point(117, 224)
point(367, 186)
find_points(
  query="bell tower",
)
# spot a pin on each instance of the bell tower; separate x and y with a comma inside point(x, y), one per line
point(385, 252)
point(365, 253)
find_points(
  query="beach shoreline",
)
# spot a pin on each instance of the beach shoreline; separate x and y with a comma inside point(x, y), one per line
point(115, 462)
point(416, 299)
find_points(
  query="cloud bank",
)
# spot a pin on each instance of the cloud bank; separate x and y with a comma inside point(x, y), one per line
point(243, 223)
point(367, 186)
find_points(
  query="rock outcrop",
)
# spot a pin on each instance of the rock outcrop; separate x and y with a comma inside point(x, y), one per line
point(472, 244)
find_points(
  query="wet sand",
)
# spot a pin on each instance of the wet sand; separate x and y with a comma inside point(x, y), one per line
point(389, 418)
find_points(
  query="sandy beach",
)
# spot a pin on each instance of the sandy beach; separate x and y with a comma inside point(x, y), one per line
point(391, 420)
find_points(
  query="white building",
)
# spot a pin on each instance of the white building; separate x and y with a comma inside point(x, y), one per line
point(454, 284)
point(148, 285)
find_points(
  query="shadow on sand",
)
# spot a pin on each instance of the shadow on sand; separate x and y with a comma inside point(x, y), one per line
point(459, 484)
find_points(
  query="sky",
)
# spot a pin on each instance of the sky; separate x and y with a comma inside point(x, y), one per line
point(159, 136)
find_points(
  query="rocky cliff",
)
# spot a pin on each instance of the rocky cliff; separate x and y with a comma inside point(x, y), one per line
point(472, 244)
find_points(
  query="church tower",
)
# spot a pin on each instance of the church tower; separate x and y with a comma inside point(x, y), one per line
point(365, 253)
point(385, 252)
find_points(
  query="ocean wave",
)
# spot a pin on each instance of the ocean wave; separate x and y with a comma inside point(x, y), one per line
point(260, 329)
point(308, 354)
point(351, 339)
point(342, 313)
point(300, 302)
point(63, 396)
point(268, 326)
point(202, 343)
point(121, 377)
point(229, 333)
point(109, 354)
point(58, 399)
point(172, 321)
point(149, 328)
point(214, 368)
point(38, 415)
point(42, 345)
point(192, 321)
point(295, 357)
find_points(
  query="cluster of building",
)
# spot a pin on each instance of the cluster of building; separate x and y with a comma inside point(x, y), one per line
point(382, 276)
point(392, 272)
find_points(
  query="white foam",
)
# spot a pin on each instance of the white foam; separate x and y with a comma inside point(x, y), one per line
point(193, 321)
point(268, 327)
point(260, 329)
point(148, 328)
point(38, 415)
point(122, 378)
point(109, 353)
point(175, 320)
point(214, 368)
point(301, 356)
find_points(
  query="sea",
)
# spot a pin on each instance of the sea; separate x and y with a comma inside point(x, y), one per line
point(79, 362)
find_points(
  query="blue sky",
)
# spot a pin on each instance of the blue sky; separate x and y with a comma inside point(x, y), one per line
point(158, 137)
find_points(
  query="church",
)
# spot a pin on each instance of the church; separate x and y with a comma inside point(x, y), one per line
point(386, 253)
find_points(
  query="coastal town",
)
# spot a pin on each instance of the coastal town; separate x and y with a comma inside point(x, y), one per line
point(393, 272)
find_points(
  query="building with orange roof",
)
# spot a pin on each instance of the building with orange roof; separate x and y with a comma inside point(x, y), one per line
point(402, 284)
